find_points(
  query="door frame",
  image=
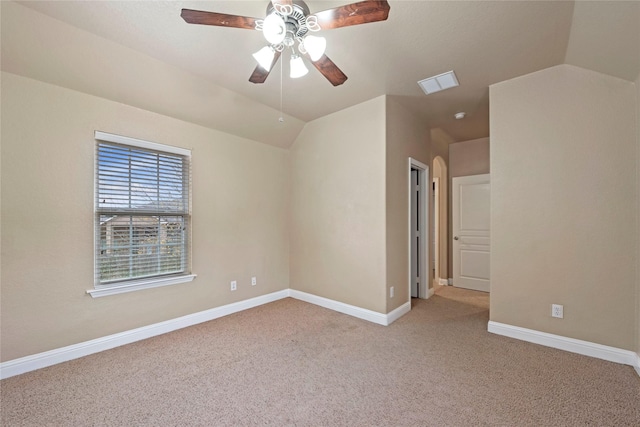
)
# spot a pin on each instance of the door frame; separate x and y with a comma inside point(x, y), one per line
point(423, 221)
point(436, 228)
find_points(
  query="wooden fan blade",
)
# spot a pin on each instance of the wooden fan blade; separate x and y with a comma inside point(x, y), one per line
point(353, 14)
point(330, 70)
point(218, 19)
point(260, 74)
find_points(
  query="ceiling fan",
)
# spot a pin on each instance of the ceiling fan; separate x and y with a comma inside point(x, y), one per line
point(288, 22)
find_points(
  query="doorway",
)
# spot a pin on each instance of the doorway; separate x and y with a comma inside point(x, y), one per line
point(440, 215)
point(435, 269)
point(419, 196)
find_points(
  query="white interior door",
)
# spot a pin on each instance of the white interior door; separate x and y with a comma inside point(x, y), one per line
point(415, 233)
point(471, 243)
point(418, 229)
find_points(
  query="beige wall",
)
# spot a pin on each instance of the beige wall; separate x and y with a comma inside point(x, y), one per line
point(338, 207)
point(563, 204)
point(240, 218)
point(406, 137)
point(638, 215)
point(469, 157)
point(465, 158)
point(42, 48)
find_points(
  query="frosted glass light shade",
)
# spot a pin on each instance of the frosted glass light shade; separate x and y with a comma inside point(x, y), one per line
point(274, 29)
point(315, 46)
point(297, 67)
point(265, 57)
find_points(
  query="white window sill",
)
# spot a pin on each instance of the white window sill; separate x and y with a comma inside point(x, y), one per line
point(139, 285)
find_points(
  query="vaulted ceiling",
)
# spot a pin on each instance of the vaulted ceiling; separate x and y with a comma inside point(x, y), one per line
point(484, 42)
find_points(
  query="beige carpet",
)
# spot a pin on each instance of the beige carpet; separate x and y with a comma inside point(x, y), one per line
point(290, 363)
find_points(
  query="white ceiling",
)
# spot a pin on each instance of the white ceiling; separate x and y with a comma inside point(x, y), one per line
point(485, 42)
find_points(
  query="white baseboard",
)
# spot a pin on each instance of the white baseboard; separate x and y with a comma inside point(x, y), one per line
point(450, 281)
point(52, 357)
point(443, 282)
point(430, 292)
point(352, 310)
point(75, 351)
point(585, 348)
point(398, 313)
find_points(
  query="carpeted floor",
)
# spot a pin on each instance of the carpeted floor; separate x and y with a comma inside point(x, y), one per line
point(290, 363)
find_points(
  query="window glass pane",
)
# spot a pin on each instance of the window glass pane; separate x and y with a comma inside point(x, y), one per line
point(132, 179)
point(142, 213)
point(140, 246)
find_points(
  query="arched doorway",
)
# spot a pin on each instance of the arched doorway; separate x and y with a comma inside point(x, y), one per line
point(440, 221)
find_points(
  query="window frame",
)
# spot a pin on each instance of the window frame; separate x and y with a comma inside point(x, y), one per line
point(157, 280)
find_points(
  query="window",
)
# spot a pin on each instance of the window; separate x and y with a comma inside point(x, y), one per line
point(142, 215)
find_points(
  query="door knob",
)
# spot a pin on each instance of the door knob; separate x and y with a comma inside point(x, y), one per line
point(455, 238)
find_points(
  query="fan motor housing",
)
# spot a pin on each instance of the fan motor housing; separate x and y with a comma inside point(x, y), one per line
point(296, 20)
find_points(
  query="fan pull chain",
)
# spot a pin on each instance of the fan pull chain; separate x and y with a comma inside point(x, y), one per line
point(281, 119)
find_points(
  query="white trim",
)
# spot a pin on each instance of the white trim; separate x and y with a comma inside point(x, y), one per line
point(52, 357)
point(435, 242)
point(450, 281)
point(119, 139)
point(155, 282)
point(431, 293)
point(418, 164)
point(352, 310)
point(75, 351)
point(443, 282)
point(398, 313)
point(572, 345)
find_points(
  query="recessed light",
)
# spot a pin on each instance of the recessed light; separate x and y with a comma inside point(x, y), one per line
point(460, 115)
point(440, 82)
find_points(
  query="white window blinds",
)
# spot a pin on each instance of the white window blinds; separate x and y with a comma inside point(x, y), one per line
point(142, 210)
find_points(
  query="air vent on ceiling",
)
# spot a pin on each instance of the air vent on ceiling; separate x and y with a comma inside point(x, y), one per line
point(440, 82)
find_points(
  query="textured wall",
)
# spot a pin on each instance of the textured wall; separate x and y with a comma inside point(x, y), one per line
point(240, 218)
point(638, 215)
point(42, 48)
point(338, 207)
point(469, 157)
point(406, 137)
point(563, 204)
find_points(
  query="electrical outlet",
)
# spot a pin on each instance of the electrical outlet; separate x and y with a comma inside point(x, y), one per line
point(391, 292)
point(557, 310)
point(234, 285)
point(254, 281)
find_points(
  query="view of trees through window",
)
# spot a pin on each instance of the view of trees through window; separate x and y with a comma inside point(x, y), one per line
point(142, 210)
point(140, 246)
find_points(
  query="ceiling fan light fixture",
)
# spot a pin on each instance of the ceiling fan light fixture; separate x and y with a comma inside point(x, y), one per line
point(297, 67)
point(315, 46)
point(286, 24)
point(274, 28)
point(265, 57)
